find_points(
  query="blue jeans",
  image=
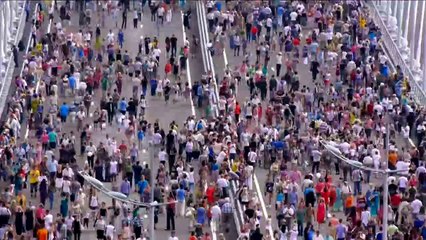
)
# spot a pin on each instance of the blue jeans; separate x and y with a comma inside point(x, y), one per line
point(357, 187)
point(51, 199)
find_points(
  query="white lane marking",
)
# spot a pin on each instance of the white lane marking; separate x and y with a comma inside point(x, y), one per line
point(188, 72)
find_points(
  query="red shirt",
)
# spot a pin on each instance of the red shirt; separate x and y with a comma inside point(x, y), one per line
point(40, 213)
point(296, 42)
point(395, 200)
point(122, 147)
point(319, 187)
point(253, 30)
point(168, 68)
point(210, 194)
point(237, 109)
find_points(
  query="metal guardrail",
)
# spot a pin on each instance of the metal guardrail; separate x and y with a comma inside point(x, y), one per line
point(7, 81)
point(393, 50)
point(209, 66)
point(204, 35)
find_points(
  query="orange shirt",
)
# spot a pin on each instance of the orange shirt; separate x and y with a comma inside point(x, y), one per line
point(393, 157)
point(192, 238)
point(42, 234)
point(349, 201)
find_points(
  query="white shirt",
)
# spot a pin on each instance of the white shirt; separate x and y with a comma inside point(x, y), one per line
point(293, 16)
point(173, 238)
point(365, 217)
point(220, 157)
point(191, 125)
point(113, 167)
point(252, 156)
point(345, 147)
point(279, 59)
point(269, 22)
point(81, 115)
point(222, 183)
point(68, 172)
point(216, 212)
point(403, 182)
point(66, 186)
point(160, 11)
point(48, 219)
point(110, 229)
point(416, 205)
point(156, 52)
point(406, 131)
point(402, 165)
point(162, 155)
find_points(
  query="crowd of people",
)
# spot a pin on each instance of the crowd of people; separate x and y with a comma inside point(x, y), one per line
point(299, 129)
point(72, 88)
point(314, 132)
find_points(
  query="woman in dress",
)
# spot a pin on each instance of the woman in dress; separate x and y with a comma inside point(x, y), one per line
point(19, 221)
point(43, 187)
point(338, 204)
point(321, 212)
point(169, 15)
point(29, 219)
point(201, 215)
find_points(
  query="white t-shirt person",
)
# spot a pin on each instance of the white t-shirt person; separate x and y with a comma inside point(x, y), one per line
point(416, 205)
point(109, 231)
point(252, 157)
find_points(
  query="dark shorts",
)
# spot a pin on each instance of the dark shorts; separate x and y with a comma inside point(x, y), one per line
point(52, 145)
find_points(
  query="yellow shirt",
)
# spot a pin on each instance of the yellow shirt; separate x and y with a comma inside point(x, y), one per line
point(34, 175)
point(21, 200)
point(362, 22)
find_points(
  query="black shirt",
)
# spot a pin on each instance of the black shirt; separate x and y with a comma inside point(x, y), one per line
point(269, 186)
point(173, 41)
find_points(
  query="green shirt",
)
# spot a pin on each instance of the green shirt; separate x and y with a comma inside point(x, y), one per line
point(300, 214)
point(53, 137)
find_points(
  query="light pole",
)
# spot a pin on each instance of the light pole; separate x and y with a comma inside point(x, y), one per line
point(385, 181)
point(386, 172)
point(98, 185)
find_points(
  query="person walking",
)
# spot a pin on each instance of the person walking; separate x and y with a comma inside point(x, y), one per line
point(76, 228)
point(170, 212)
point(124, 19)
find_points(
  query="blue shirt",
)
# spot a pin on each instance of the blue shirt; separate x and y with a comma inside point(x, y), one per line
point(340, 231)
point(280, 11)
point(311, 234)
point(141, 135)
point(72, 82)
point(125, 188)
point(142, 185)
point(180, 195)
point(280, 197)
point(64, 110)
point(123, 105)
point(120, 36)
point(219, 6)
point(199, 90)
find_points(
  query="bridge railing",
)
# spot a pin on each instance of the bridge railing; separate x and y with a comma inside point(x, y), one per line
point(393, 51)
